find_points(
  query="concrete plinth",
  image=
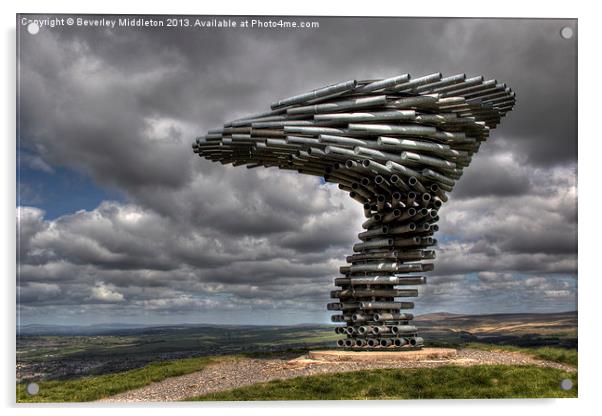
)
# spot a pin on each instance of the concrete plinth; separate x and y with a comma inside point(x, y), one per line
point(396, 355)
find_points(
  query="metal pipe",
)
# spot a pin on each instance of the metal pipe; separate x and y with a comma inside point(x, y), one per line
point(380, 280)
point(389, 266)
point(378, 330)
point(404, 170)
point(375, 219)
point(403, 329)
point(367, 210)
point(396, 199)
point(404, 130)
point(384, 316)
point(427, 160)
point(386, 342)
point(362, 293)
point(452, 80)
point(418, 101)
point(342, 141)
point(406, 242)
point(400, 342)
point(384, 83)
point(391, 216)
point(398, 182)
point(431, 174)
point(416, 341)
point(385, 242)
point(340, 318)
point(469, 82)
point(427, 79)
point(339, 106)
point(340, 151)
point(407, 214)
point(376, 167)
point(314, 130)
point(408, 144)
point(320, 92)
point(374, 233)
point(386, 305)
point(380, 203)
point(403, 229)
point(372, 343)
point(358, 317)
point(391, 115)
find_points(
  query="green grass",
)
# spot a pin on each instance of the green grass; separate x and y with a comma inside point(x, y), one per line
point(444, 382)
point(94, 388)
point(419, 383)
point(559, 355)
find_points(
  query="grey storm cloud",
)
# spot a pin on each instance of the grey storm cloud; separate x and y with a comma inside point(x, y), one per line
point(123, 107)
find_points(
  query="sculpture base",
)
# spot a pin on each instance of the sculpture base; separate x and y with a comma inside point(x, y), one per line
point(376, 355)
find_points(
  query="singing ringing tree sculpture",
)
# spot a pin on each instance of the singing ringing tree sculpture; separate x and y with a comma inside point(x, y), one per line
point(398, 146)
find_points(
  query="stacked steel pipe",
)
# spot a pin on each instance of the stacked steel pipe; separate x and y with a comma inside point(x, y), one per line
point(398, 146)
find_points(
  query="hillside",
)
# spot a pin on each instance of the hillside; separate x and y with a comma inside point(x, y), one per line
point(66, 352)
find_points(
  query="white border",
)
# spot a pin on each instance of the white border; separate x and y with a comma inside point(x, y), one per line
point(590, 176)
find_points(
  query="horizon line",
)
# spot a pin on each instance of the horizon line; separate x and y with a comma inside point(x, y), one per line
point(297, 324)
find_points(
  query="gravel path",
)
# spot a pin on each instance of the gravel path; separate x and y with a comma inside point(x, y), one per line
point(231, 373)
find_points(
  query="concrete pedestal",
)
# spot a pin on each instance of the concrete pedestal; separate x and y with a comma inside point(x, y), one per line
point(410, 355)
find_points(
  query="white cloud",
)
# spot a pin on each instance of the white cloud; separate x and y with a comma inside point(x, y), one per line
point(105, 293)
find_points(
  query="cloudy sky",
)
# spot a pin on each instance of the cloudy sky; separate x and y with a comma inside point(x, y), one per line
point(119, 221)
